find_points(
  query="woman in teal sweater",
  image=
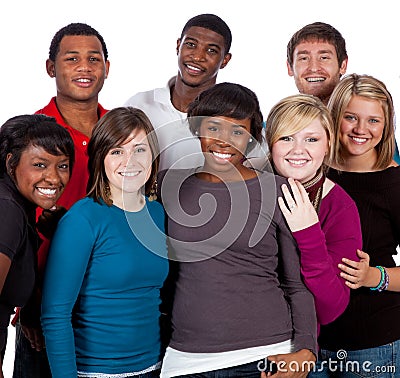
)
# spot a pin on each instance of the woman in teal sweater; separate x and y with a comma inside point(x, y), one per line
point(107, 261)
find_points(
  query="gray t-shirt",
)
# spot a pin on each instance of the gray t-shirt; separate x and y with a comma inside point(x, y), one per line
point(238, 283)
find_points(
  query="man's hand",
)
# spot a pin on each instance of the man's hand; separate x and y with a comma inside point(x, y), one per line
point(35, 337)
point(47, 222)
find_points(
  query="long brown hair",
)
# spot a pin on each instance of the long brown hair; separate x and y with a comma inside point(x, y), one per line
point(110, 131)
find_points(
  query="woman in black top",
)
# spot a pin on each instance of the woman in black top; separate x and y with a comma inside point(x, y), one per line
point(36, 158)
point(365, 340)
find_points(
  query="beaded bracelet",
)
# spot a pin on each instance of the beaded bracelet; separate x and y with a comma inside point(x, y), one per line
point(384, 282)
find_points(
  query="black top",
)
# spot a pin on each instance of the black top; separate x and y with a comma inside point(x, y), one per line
point(19, 241)
point(371, 318)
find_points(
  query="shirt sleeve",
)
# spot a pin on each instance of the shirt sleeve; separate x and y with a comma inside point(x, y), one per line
point(321, 250)
point(68, 258)
point(300, 299)
point(393, 206)
point(13, 229)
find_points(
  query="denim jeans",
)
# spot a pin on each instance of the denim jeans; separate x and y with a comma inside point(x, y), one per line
point(150, 374)
point(29, 363)
point(250, 370)
point(378, 362)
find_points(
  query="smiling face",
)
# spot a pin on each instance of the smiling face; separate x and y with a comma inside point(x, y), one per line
point(41, 177)
point(316, 69)
point(201, 54)
point(128, 166)
point(301, 155)
point(80, 68)
point(224, 141)
point(361, 129)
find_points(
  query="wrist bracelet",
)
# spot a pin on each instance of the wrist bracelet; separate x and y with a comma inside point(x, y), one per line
point(384, 281)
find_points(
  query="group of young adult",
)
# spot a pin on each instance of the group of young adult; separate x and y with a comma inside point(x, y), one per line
point(269, 268)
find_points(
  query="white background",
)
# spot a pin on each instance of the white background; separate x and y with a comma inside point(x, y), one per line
point(141, 40)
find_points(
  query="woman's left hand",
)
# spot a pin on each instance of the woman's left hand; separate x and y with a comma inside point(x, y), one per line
point(299, 211)
point(292, 365)
point(357, 273)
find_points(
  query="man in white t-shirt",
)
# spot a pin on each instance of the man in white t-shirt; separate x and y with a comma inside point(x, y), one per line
point(202, 49)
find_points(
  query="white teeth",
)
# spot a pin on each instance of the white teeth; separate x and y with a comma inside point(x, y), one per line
point(315, 79)
point(359, 140)
point(129, 174)
point(84, 80)
point(193, 68)
point(47, 192)
point(222, 156)
point(297, 162)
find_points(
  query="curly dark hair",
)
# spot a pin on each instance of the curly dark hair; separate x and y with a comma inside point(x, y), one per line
point(211, 22)
point(76, 28)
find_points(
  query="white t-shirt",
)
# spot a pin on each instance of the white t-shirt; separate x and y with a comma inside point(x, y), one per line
point(179, 148)
point(181, 363)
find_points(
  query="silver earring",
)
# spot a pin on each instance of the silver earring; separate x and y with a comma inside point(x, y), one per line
point(196, 133)
point(250, 140)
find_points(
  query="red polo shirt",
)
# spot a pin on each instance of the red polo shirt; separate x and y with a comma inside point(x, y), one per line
point(76, 187)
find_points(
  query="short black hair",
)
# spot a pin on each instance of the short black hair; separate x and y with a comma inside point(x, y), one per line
point(318, 31)
point(227, 100)
point(20, 132)
point(76, 28)
point(211, 22)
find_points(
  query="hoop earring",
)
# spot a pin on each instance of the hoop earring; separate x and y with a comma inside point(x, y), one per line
point(153, 192)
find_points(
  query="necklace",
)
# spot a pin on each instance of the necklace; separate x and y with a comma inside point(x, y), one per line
point(314, 189)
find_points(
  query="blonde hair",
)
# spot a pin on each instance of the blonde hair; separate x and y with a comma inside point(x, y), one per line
point(370, 88)
point(294, 113)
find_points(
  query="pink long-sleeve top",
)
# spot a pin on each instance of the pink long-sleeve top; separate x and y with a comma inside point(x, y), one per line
point(322, 247)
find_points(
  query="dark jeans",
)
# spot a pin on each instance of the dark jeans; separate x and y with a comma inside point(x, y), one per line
point(151, 374)
point(378, 362)
point(250, 370)
point(28, 362)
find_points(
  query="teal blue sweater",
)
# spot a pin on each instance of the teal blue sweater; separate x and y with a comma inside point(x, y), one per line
point(101, 295)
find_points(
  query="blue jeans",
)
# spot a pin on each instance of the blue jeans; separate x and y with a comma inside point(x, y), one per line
point(151, 374)
point(250, 370)
point(29, 363)
point(378, 362)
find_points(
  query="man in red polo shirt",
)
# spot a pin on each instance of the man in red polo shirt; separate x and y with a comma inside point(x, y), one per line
point(78, 60)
